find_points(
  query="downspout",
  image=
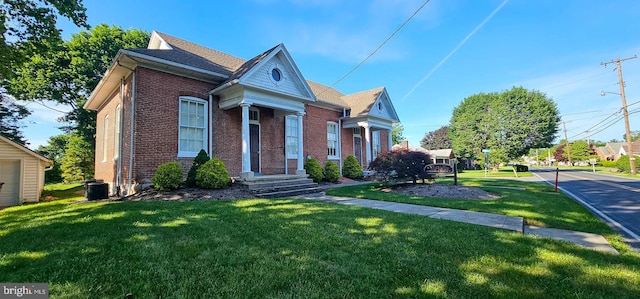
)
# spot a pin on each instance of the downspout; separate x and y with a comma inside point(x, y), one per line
point(133, 109)
point(210, 125)
point(119, 171)
point(131, 141)
point(344, 112)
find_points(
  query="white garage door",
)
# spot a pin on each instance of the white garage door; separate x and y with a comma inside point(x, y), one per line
point(10, 176)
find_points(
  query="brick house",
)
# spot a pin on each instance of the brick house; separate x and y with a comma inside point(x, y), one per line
point(259, 116)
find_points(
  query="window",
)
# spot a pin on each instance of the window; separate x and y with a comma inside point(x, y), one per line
point(118, 136)
point(375, 143)
point(332, 140)
point(276, 75)
point(192, 134)
point(254, 115)
point(357, 131)
point(105, 138)
point(292, 136)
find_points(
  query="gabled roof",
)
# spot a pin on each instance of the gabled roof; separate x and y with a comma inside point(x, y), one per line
point(327, 94)
point(185, 58)
point(362, 102)
point(25, 149)
point(164, 48)
point(229, 62)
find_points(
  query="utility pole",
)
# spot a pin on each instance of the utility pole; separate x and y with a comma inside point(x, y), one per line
point(567, 143)
point(632, 159)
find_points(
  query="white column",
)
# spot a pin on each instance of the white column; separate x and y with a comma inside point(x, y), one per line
point(300, 169)
point(389, 140)
point(246, 154)
point(367, 138)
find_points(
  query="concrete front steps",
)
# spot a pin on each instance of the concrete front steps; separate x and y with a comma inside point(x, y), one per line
point(281, 186)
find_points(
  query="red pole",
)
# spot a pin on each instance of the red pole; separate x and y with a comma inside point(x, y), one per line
point(556, 190)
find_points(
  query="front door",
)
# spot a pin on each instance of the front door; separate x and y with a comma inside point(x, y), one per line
point(10, 176)
point(357, 148)
point(254, 140)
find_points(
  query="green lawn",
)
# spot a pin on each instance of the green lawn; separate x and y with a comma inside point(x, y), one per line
point(535, 202)
point(503, 172)
point(292, 249)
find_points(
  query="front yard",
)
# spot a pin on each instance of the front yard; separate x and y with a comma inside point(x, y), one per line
point(290, 248)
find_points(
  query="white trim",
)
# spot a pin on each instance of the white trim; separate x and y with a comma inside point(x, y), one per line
point(205, 128)
point(246, 154)
point(335, 155)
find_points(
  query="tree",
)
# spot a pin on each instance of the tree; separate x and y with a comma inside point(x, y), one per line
point(54, 150)
point(580, 151)
point(77, 164)
point(396, 133)
point(512, 121)
point(68, 75)
point(438, 139)
point(11, 116)
point(28, 27)
point(635, 135)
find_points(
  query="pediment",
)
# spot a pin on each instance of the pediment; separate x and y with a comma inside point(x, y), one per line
point(278, 73)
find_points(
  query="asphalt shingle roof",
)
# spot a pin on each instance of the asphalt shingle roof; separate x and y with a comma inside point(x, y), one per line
point(362, 102)
point(194, 55)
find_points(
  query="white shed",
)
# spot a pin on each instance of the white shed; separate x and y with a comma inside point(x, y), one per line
point(21, 173)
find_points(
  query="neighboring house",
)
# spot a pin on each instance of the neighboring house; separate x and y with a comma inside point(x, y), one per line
point(259, 116)
point(612, 151)
point(437, 156)
point(21, 173)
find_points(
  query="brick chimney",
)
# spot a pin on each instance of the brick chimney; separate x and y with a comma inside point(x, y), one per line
point(405, 145)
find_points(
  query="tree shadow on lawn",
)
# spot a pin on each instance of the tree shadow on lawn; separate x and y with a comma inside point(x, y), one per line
point(291, 248)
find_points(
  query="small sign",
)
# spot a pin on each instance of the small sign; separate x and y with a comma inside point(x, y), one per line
point(486, 150)
point(592, 161)
point(24, 290)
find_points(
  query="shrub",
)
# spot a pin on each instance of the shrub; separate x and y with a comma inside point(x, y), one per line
point(331, 172)
point(168, 176)
point(352, 168)
point(314, 169)
point(402, 164)
point(623, 164)
point(611, 164)
point(521, 168)
point(200, 159)
point(212, 175)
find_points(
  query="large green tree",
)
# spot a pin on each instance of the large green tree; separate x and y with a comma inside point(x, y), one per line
point(28, 27)
point(78, 162)
point(54, 150)
point(580, 151)
point(68, 75)
point(510, 123)
point(437, 139)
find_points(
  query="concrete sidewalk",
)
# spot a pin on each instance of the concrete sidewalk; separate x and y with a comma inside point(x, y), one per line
point(593, 241)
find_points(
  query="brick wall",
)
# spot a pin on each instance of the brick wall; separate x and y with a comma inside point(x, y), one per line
point(156, 118)
point(315, 132)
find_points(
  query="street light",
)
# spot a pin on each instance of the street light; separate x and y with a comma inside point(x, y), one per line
point(632, 159)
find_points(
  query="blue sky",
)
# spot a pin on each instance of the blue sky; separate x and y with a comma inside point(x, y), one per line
point(450, 50)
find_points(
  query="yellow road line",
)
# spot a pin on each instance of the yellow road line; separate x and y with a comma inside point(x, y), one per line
point(604, 183)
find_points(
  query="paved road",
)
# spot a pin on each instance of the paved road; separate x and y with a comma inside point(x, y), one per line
point(615, 199)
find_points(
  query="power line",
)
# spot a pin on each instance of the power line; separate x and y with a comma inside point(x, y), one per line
point(378, 48)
